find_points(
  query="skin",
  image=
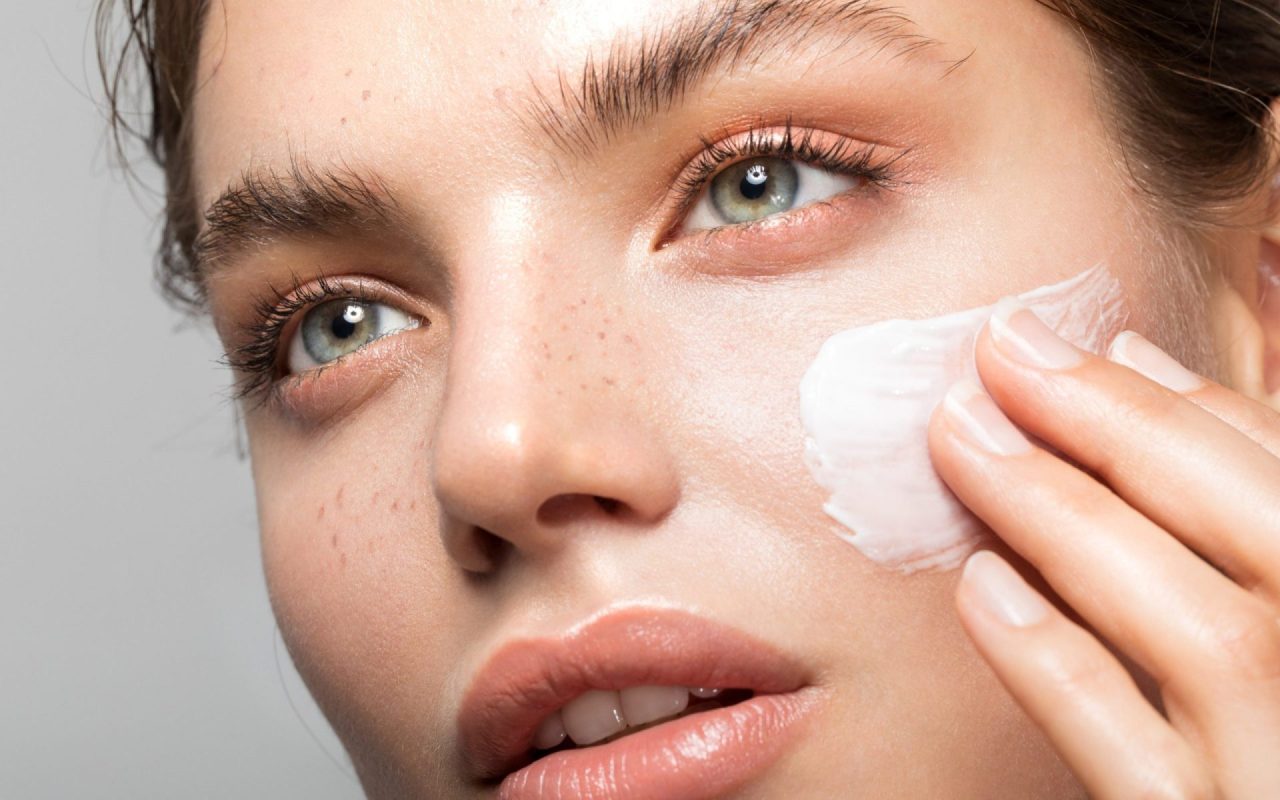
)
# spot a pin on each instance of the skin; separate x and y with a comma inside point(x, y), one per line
point(570, 355)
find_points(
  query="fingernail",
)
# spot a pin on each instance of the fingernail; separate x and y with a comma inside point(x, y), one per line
point(981, 421)
point(1140, 355)
point(1003, 592)
point(1023, 336)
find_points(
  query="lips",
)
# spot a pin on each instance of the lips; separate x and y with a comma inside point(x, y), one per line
point(528, 682)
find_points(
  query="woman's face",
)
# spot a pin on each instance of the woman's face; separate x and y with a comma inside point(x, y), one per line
point(589, 413)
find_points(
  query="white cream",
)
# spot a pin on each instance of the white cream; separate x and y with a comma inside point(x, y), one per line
point(866, 403)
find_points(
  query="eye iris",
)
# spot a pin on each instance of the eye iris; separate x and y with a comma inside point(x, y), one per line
point(755, 189)
point(334, 329)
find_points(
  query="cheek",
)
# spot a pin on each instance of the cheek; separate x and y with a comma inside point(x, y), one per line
point(356, 576)
point(867, 400)
point(733, 407)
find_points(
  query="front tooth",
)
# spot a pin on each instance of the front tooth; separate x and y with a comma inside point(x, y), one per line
point(642, 704)
point(550, 734)
point(594, 717)
point(705, 694)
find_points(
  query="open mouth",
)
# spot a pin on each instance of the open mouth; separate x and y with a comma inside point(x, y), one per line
point(602, 717)
point(637, 703)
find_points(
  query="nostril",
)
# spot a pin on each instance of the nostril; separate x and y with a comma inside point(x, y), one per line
point(491, 546)
point(564, 508)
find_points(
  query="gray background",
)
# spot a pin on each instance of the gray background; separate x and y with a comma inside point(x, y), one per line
point(138, 656)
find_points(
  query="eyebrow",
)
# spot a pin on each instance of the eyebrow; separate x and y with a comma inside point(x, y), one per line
point(303, 200)
point(639, 79)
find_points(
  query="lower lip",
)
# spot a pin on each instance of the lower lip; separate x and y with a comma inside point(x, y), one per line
point(699, 756)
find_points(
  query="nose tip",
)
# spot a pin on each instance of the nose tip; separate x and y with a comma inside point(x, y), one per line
point(532, 487)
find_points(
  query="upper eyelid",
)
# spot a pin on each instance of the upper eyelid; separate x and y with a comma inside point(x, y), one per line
point(760, 139)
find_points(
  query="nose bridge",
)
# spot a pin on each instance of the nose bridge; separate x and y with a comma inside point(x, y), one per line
point(529, 363)
point(541, 401)
point(534, 328)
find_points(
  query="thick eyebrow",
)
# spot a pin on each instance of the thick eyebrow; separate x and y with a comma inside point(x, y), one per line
point(304, 200)
point(640, 78)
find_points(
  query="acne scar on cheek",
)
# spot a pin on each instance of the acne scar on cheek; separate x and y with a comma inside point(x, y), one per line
point(866, 403)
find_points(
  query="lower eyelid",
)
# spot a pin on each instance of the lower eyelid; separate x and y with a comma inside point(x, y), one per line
point(298, 347)
point(802, 239)
point(346, 382)
point(802, 204)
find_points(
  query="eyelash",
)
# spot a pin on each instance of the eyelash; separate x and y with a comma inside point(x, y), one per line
point(841, 156)
point(258, 358)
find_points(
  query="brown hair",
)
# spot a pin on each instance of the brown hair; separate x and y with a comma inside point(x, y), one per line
point(1191, 83)
point(164, 38)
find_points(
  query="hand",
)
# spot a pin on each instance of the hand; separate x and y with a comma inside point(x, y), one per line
point(1157, 523)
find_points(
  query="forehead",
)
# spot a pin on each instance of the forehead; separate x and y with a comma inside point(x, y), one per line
point(336, 74)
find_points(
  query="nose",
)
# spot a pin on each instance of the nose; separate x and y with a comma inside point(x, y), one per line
point(546, 435)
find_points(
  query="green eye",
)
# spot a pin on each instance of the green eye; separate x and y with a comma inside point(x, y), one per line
point(338, 328)
point(761, 187)
point(755, 189)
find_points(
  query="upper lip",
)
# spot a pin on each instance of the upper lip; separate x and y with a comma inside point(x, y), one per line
point(526, 680)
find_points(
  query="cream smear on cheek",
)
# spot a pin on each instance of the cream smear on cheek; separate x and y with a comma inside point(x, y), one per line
point(866, 403)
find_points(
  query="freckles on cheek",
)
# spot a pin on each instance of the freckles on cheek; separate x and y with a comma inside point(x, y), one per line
point(866, 403)
point(356, 575)
point(324, 548)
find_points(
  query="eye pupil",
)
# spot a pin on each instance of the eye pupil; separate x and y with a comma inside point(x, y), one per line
point(345, 326)
point(755, 182)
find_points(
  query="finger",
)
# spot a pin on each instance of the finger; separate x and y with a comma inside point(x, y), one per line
point(1192, 473)
point(1212, 647)
point(1254, 419)
point(1139, 587)
point(1074, 690)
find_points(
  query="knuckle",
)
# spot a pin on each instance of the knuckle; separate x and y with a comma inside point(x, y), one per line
point(1074, 674)
point(1174, 783)
point(1148, 404)
point(1140, 409)
point(1247, 641)
point(1172, 773)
